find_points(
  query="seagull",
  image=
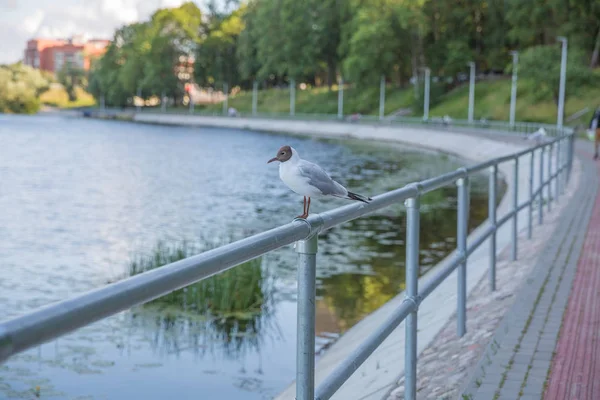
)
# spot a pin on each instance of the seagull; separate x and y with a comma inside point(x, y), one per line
point(537, 135)
point(309, 180)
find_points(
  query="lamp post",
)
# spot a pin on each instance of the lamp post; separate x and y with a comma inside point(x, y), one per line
point(563, 78)
point(426, 96)
point(471, 92)
point(513, 89)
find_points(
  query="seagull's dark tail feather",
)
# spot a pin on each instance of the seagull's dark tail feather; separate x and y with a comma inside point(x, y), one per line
point(354, 196)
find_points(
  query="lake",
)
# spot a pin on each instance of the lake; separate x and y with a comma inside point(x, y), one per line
point(81, 200)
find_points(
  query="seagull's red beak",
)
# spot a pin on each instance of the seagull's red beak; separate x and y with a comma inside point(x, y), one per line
point(272, 159)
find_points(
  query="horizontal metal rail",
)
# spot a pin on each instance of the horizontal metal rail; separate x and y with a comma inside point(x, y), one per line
point(50, 322)
point(519, 128)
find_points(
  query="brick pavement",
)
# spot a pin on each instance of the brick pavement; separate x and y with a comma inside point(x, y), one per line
point(516, 364)
point(575, 369)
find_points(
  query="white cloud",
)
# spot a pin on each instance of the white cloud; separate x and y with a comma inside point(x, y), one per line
point(24, 19)
point(32, 22)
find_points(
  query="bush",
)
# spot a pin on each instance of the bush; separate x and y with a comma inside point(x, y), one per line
point(20, 86)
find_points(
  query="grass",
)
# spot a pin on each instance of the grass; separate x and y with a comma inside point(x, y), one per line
point(57, 96)
point(239, 293)
point(492, 101)
point(319, 101)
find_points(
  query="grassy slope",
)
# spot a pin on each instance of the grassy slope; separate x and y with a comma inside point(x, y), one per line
point(319, 101)
point(58, 97)
point(492, 101)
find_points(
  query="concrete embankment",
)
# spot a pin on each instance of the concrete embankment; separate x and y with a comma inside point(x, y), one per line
point(380, 372)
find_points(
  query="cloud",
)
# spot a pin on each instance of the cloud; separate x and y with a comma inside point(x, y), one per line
point(32, 22)
point(92, 18)
point(8, 4)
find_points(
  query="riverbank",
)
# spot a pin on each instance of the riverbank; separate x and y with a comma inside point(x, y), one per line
point(379, 374)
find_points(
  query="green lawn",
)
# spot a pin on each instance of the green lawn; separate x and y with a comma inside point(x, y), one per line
point(319, 101)
point(492, 101)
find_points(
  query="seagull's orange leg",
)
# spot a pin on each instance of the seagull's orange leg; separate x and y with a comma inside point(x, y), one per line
point(304, 209)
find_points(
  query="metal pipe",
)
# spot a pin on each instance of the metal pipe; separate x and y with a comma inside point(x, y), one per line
point(341, 99)
point(382, 97)
point(226, 101)
point(139, 95)
point(531, 197)
point(549, 188)
point(515, 220)
point(426, 97)
point(513, 89)
point(59, 318)
point(557, 181)
point(445, 270)
point(254, 97)
point(480, 239)
point(471, 91)
point(461, 239)
point(346, 368)
point(292, 97)
point(305, 336)
point(541, 189)
point(431, 184)
point(412, 290)
point(493, 183)
point(563, 78)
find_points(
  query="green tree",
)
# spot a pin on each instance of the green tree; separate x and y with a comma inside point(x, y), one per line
point(541, 64)
point(72, 77)
point(20, 87)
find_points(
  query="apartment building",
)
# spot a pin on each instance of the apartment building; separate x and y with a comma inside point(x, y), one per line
point(53, 54)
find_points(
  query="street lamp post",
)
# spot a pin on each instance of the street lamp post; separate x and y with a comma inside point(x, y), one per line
point(382, 97)
point(471, 92)
point(513, 89)
point(426, 96)
point(563, 78)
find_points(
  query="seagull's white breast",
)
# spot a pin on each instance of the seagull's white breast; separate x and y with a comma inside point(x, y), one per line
point(290, 175)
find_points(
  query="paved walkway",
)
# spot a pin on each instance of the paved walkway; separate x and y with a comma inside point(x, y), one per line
point(575, 371)
point(527, 359)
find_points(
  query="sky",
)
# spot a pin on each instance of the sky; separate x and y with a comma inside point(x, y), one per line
point(21, 20)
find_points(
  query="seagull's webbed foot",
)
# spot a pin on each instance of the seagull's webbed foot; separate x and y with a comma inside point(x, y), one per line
point(303, 216)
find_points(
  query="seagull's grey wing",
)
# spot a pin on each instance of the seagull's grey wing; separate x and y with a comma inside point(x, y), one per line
point(318, 178)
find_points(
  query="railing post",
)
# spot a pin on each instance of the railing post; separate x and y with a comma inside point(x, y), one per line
point(461, 239)
point(493, 183)
point(541, 189)
point(305, 342)
point(254, 97)
point(557, 182)
point(382, 98)
point(571, 151)
point(531, 196)
point(292, 97)
point(412, 278)
point(341, 98)
point(550, 177)
point(225, 102)
point(515, 218)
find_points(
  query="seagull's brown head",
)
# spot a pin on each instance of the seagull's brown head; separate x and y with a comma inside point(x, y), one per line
point(283, 154)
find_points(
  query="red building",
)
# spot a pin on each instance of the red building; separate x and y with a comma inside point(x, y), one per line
point(53, 54)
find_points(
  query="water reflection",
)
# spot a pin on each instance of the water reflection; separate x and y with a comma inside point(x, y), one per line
point(227, 315)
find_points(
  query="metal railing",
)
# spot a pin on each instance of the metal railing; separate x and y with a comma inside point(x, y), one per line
point(438, 122)
point(50, 322)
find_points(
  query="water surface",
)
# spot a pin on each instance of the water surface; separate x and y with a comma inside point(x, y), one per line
point(79, 199)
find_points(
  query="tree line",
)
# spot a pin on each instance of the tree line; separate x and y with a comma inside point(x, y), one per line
point(319, 41)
